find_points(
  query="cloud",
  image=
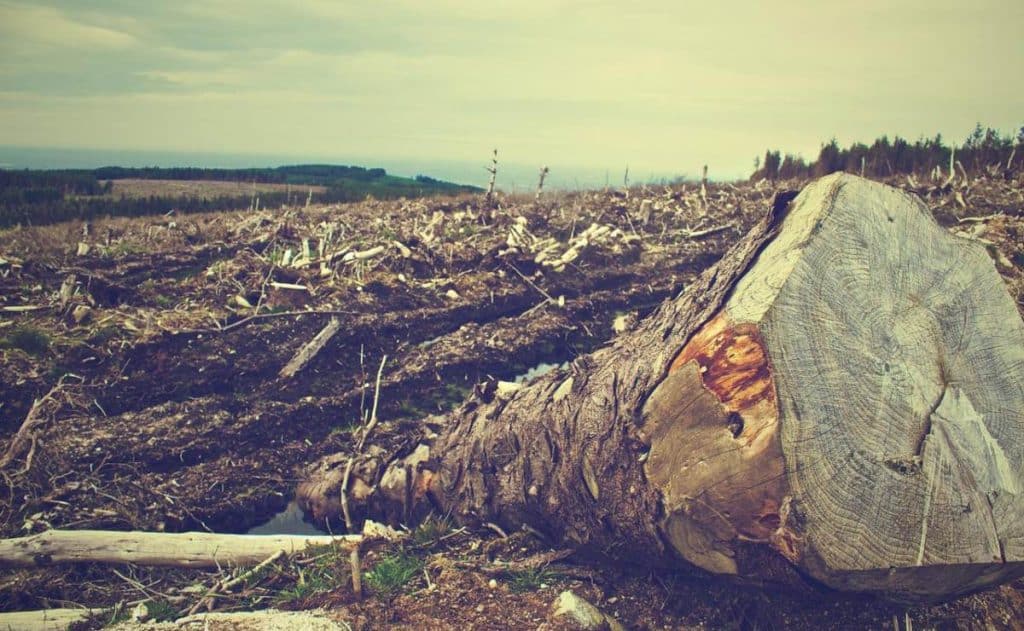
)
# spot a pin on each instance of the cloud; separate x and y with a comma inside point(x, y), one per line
point(585, 82)
point(47, 27)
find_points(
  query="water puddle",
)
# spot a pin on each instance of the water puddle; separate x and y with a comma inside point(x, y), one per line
point(536, 371)
point(287, 522)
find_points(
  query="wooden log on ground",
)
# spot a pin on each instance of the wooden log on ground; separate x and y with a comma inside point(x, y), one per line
point(186, 549)
point(310, 349)
point(839, 398)
point(43, 619)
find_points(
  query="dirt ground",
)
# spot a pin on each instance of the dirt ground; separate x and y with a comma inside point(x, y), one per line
point(143, 357)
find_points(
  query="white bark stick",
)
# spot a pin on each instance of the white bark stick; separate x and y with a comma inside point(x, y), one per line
point(187, 549)
point(310, 349)
point(43, 619)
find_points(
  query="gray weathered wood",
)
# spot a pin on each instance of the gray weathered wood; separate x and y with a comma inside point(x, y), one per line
point(889, 458)
point(43, 619)
point(185, 549)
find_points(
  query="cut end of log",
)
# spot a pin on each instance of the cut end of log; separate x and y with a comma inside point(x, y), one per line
point(856, 405)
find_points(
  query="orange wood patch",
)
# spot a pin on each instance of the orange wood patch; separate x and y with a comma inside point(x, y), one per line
point(733, 363)
point(733, 366)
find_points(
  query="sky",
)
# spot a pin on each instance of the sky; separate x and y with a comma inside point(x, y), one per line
point(660, 87)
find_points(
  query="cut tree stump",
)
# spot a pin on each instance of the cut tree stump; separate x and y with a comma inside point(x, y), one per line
point(842, 395)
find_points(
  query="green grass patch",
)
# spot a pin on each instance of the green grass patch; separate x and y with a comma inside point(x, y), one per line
point(329, 570)
point(161, 611)
point(393, 572)
point(432, 529)
point(27, 339)
point(164, 301)
point(530, 580)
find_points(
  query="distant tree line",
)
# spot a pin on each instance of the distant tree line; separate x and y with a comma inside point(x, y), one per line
point(984, 150)
point(37, 187)
point(314, 174)
point(40, 197)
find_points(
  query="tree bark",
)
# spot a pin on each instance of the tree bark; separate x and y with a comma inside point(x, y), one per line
point(838, 398)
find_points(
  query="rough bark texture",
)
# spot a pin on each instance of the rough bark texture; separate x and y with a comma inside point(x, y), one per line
point(565, 454)
point(842, 391)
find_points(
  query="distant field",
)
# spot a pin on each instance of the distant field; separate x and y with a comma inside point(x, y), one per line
point(205, 189)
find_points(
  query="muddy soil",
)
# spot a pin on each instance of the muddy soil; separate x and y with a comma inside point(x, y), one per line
point(160, 341)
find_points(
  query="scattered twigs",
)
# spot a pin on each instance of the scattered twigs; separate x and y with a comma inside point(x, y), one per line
point(23, 308)
point(262, 316)
point(292, 286)
point(696, 234)
point(356, 567)
point(498, 529)
point(147, 592)
point(245, 576)
point(263, 288)
point(493, 170)
point(26, 436)
point(540, 181)
point(226, 585)
point(310, 349)
point(539, 560)
point(952, 172)
point(373, 413)
point(344, 494)
point(980, 219)
point(704, 187)
point(532, 284)
point(357, 585)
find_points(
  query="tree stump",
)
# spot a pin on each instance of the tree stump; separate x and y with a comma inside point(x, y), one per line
point(843, 395)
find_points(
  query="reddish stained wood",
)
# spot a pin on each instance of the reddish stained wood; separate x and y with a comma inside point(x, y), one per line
point(734, 367)
point(733, 363)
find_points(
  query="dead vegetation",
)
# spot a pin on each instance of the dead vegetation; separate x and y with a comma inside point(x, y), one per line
point(177, 373)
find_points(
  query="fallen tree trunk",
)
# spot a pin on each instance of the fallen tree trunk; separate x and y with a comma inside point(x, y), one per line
point(186, 549)
point(839, 398)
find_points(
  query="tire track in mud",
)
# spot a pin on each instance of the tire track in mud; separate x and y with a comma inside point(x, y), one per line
point(176, 367)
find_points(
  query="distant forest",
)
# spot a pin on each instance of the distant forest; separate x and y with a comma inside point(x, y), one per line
point(33, 197)
point(984, 151)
